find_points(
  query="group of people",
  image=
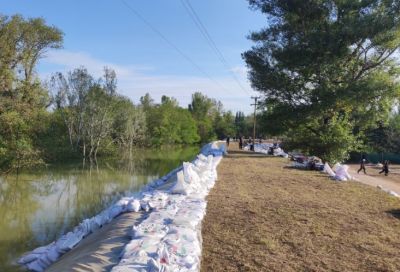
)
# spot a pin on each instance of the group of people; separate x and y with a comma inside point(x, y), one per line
point(241, 141)
point(385, 167)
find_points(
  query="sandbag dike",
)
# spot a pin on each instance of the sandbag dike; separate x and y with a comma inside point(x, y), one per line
point(169, 239)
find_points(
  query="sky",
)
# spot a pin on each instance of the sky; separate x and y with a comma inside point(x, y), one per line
point(110, 33)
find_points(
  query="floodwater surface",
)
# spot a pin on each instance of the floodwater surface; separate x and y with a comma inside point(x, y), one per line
point(39, 206)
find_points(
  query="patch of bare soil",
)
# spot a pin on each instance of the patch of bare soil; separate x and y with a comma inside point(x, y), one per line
point(263, 216)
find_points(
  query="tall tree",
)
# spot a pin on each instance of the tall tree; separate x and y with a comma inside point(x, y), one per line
point(204, 110)
point(23, 100)
point(326, 69)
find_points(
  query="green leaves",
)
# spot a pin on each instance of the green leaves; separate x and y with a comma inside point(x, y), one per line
point(326, 61)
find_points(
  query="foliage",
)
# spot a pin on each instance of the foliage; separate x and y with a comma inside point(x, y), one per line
point(22, 98)
point(170, 124)
point(326, 69)
point(203, 110)
point(224, 125)
point(95, 116)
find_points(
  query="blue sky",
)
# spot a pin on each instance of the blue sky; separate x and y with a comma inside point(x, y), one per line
point(106, 33)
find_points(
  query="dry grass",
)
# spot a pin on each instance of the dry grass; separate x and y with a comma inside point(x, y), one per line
point(262, 216)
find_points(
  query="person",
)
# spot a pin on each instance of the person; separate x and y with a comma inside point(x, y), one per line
point(362, 166)
point(385, 168)
point(241, 142)
point(227, 141)
point(271, 151)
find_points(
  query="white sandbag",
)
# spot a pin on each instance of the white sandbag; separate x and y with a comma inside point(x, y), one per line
point(35, 266)
point(328, 170)
point(393, 193)
point(342, 173)
point(180, 186)
point(28, 258)
point(133, 206)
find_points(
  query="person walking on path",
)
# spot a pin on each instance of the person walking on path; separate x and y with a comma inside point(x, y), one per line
point(227, 141)
point(362, 167)
point(385, 168)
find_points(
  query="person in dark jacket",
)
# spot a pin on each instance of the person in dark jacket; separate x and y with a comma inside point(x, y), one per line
point(362, 166)
point(227, 141)
point(240, 142)
point(385, 168)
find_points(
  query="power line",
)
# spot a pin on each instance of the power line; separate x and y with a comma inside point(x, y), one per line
point(203, 30)
point(163, 37)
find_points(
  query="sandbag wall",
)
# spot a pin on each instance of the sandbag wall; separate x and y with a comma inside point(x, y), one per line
point(198, 176)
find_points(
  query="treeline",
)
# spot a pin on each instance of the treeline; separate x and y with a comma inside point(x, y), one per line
point(76, 115)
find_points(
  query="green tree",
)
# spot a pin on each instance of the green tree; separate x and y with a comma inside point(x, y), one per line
point(203, 110)
point(326, 69)
point(129, 124)
point(170, 124)
point(23, 100)
point(224, 125)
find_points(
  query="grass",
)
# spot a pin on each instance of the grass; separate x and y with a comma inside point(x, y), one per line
point(262, 216)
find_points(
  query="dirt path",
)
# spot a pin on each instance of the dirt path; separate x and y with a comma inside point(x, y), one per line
point(373, 178)
point(262, 216)
point(99, 251)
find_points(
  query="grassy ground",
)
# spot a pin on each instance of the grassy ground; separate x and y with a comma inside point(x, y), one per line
point(262, 216)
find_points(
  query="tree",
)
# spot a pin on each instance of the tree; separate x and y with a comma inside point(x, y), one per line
point(224, 125)
point(326, 69)
point(129, 124)
point(203, 110)
point(92, 112)
point(170, 124)
point(23, 100)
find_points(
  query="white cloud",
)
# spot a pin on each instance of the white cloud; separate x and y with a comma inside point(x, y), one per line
point(133, 81)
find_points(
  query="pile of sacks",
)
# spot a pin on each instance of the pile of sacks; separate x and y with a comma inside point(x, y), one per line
point(310, 163)
point(269, 149)
point(176, 212)
point(170, 238)
point(339, 172)
point(42, 257)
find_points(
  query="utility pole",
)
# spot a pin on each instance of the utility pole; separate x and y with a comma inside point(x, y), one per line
point(254, 120)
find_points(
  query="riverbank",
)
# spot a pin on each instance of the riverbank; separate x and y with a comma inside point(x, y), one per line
point(165, 234)
point(263, 216)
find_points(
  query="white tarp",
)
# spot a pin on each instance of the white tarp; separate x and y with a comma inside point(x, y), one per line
point(339, 172)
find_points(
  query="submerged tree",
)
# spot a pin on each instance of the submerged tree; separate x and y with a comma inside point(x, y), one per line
point(326, 69)
point(23, 100)
point(94, 114)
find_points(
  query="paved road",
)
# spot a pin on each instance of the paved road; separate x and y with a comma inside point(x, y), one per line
point(392, 182)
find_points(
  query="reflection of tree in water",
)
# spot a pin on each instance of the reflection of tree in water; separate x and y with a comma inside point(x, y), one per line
point(40, 207)
point(17, 204)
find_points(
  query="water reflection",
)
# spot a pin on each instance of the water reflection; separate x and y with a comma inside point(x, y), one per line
point(38, 207)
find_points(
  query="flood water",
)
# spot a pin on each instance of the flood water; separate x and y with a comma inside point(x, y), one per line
point(40, 206)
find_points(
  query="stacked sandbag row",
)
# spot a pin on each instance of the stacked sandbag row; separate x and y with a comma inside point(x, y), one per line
point(170, 238)
point(42, 257)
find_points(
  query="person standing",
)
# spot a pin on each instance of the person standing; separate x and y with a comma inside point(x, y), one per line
point(362, 166)
point(240, 142)
point(385, 168)
point(227, 141)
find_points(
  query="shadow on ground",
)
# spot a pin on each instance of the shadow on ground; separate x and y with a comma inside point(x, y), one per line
point(247, 154)
point(395, 213)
